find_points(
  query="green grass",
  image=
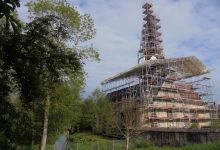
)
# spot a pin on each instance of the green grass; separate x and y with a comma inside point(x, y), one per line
point(36, 147)
point(206, 146)
point(88, 141)
point(141, 143)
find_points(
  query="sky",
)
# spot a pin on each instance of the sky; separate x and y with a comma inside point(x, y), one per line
point(189, 28)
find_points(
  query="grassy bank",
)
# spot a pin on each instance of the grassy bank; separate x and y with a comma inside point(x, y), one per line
point(88, 141)
point(35, 147)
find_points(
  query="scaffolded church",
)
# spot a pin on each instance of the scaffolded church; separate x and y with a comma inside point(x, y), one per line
point(174, 92)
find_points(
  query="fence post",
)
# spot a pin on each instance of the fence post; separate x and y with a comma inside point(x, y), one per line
point(113, 144)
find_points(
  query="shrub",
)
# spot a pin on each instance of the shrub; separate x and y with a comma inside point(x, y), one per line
point(195, 125)
point(141, 143)
point(37, 147)
point(83, 138)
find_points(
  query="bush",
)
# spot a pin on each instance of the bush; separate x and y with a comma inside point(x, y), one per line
point(195, 125)
point(82, 138)
point(37, 147)
point(141, 143)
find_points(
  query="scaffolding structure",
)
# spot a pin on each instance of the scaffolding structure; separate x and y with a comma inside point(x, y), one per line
point(151, 36)
point(174, 93)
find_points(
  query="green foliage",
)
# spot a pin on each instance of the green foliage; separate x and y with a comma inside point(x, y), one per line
point(8, 112)
point(7, 7)
point(83, 138)
point(104, 112)
point(48, 61)
point(61, 9)
point(97, 113)
point(36, 147)
point(141, 143)
point(48, 64)
point(69, 26)
point(88, 108)
point(195, 125)
point(79, 28)
point(35, 62)
point(65, 109)
point(7, 11)
point(84, 141)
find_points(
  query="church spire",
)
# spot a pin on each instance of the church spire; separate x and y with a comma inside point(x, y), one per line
point(151, 40)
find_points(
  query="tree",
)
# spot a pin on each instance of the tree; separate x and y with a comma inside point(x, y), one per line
point(88, 117)
point(36, 63)
point(71, 25)
point(104, 112)
point(97, 113)
point(40, 63)
point(65, 108)
point(7, 9)
point(74, 26)
point(8, 113)
point(80, 27)
point(128, 118)
point(49, 60)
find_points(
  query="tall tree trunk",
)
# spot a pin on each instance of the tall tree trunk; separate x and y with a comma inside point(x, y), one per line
point(45, 126)
point(127, 142)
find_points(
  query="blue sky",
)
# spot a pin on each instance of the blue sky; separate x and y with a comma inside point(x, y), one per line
point(189, 27)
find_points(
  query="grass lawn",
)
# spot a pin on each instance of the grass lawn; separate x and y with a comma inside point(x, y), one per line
point(88, 141)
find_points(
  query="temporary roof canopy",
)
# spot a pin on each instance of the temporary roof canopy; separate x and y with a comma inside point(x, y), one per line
point(191, 66)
